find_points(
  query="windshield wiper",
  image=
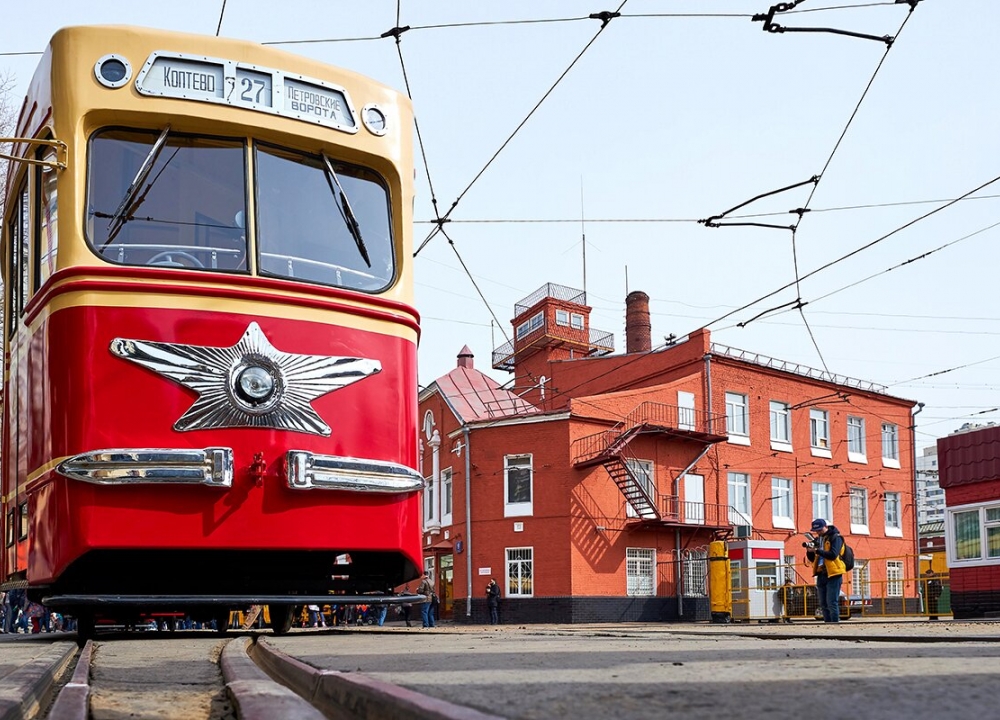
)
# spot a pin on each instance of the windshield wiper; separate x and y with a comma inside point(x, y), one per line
point(344, 205)
point(127, 206)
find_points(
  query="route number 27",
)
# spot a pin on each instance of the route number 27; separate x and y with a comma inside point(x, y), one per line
point(252, 90)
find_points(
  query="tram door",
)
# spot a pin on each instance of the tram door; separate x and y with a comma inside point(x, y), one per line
point(447, 586)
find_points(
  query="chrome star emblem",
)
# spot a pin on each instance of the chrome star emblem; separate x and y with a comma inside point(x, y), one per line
point(251, 384)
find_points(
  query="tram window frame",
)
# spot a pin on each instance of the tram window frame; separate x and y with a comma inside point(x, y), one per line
point(22, 521)
point(234, 143)
point(9, 540)
point(42, 228)
point(345, 171)
point(18, 228)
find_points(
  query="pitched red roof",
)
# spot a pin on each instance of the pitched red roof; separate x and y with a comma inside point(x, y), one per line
point(475, 396)
point(969, 457)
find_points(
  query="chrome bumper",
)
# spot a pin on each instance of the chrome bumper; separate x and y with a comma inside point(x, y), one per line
point(129, 466)
point(307, 471)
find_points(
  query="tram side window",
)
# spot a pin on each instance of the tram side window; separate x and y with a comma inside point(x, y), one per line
point(17, 275)
point(169, 200)
point(47, 220)
point(10, 529)
point(322, 221)
point(22, 526)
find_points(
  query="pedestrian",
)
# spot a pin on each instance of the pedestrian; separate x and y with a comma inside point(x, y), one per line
point(493, 601)
point(933, 592)
point(427, 590)
point(407, 607)
point(383, 611)
point(824, 552)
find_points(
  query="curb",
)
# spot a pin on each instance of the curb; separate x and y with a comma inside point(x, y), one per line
point(28, 689)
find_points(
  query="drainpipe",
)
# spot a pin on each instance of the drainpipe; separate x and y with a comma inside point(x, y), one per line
point(708, 384)
point(916, 515)
point(434, 510)
point(468, 524)
point(680, 573)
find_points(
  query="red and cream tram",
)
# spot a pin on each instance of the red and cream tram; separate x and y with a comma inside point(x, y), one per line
point(209, 341)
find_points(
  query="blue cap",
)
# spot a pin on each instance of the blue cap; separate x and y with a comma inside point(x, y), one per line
point(818, 524)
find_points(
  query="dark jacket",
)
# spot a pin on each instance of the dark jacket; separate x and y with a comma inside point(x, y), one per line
point(831, 548)
point(493, 595)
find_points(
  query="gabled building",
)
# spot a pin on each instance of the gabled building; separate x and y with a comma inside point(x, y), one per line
point(591, 489)
point(969, 462)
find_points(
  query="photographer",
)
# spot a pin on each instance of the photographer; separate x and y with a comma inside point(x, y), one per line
point(824, 553)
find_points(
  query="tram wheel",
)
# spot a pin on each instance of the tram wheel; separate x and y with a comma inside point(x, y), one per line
point(281, 617)
point(221, 618)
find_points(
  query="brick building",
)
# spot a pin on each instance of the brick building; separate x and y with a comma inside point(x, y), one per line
point(591, 490)
point(969, 464)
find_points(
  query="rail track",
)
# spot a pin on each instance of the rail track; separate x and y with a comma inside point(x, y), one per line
point(190, 678)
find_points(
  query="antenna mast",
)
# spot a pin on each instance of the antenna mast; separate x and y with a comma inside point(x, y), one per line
point(583, 235)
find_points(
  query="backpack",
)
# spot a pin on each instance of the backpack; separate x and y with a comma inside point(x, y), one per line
point(847, 557)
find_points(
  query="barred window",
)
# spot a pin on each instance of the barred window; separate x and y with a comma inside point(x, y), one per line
point(695, 573)
point(519, 572)
point(640, 569)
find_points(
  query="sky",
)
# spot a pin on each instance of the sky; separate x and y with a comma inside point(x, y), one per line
point(551, 132)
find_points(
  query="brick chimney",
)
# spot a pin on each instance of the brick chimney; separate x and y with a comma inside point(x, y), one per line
point(637, 327)
point(465, 358)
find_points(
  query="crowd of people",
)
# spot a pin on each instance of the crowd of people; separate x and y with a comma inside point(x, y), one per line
point(20, 615)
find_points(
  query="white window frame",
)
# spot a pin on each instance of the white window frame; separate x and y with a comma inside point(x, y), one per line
point(894, 578)
point(518, 509)
point(562, 317)
point(738, 418)
point(819, 433)
point(736, 575)
point(856, 446)
point(530, 325)
point(822, 496)
point(738, 492)
point(861, 578)
point(890, 445)
point(766, 574)
point(893, 503)
point(859, 510)
point(576, 321)
point(641, 468)
point(447, 499)
point(781, 426)
point(640, 572)
point(430, 518)
point(782, 503)
point(520, 575)
point(987, 516)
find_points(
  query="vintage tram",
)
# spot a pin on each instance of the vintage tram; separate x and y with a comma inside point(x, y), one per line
point(210, 341)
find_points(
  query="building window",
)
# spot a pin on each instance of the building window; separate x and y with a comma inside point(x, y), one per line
point(695, 573)
point(517, 485)
point(562, 317)
point(640, 568)
point(446, 497)
point(767, 575)
point(519, 572)
point(739, 499)
point(894, 578)
point(790, 561)
point(643, 472)
point(972, 535)
point(781, 503)
point(429, 506)
point(576, 321)
point(893, 515)
point(530, 325)
point(781, 423)
point(819, 430)
point(861, 578)
point(822, 502)
point(737, 421)
point(859, 510)
point(856, 439)
point(890, 444)
point(735, 575)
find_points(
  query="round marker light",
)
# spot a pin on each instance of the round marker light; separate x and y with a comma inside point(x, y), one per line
point(255, 384)
point(113, 71)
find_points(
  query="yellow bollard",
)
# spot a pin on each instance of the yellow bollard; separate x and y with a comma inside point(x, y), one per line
point(720, 594)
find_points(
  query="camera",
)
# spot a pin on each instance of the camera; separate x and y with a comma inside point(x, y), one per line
point(812, 542)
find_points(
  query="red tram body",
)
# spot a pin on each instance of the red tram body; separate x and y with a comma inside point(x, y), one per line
point(210, 366)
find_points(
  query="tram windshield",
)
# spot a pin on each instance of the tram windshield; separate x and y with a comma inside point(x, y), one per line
point(173, 200)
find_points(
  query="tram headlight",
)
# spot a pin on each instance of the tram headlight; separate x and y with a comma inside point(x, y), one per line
point(255, 384)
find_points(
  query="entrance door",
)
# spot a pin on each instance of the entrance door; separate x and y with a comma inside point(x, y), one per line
point(446, 585)
point(685, 410)
point(693, 507)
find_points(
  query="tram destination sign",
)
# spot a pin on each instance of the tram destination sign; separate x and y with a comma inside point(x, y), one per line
point(226, 82)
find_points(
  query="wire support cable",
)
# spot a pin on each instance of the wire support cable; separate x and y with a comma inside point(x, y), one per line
point(222, 14)
point(605, 18)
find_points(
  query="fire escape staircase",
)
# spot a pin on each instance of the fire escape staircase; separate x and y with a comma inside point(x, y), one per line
point(610, 448)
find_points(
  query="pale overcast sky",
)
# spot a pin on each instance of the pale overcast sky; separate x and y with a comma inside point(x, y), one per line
point(667, 118)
